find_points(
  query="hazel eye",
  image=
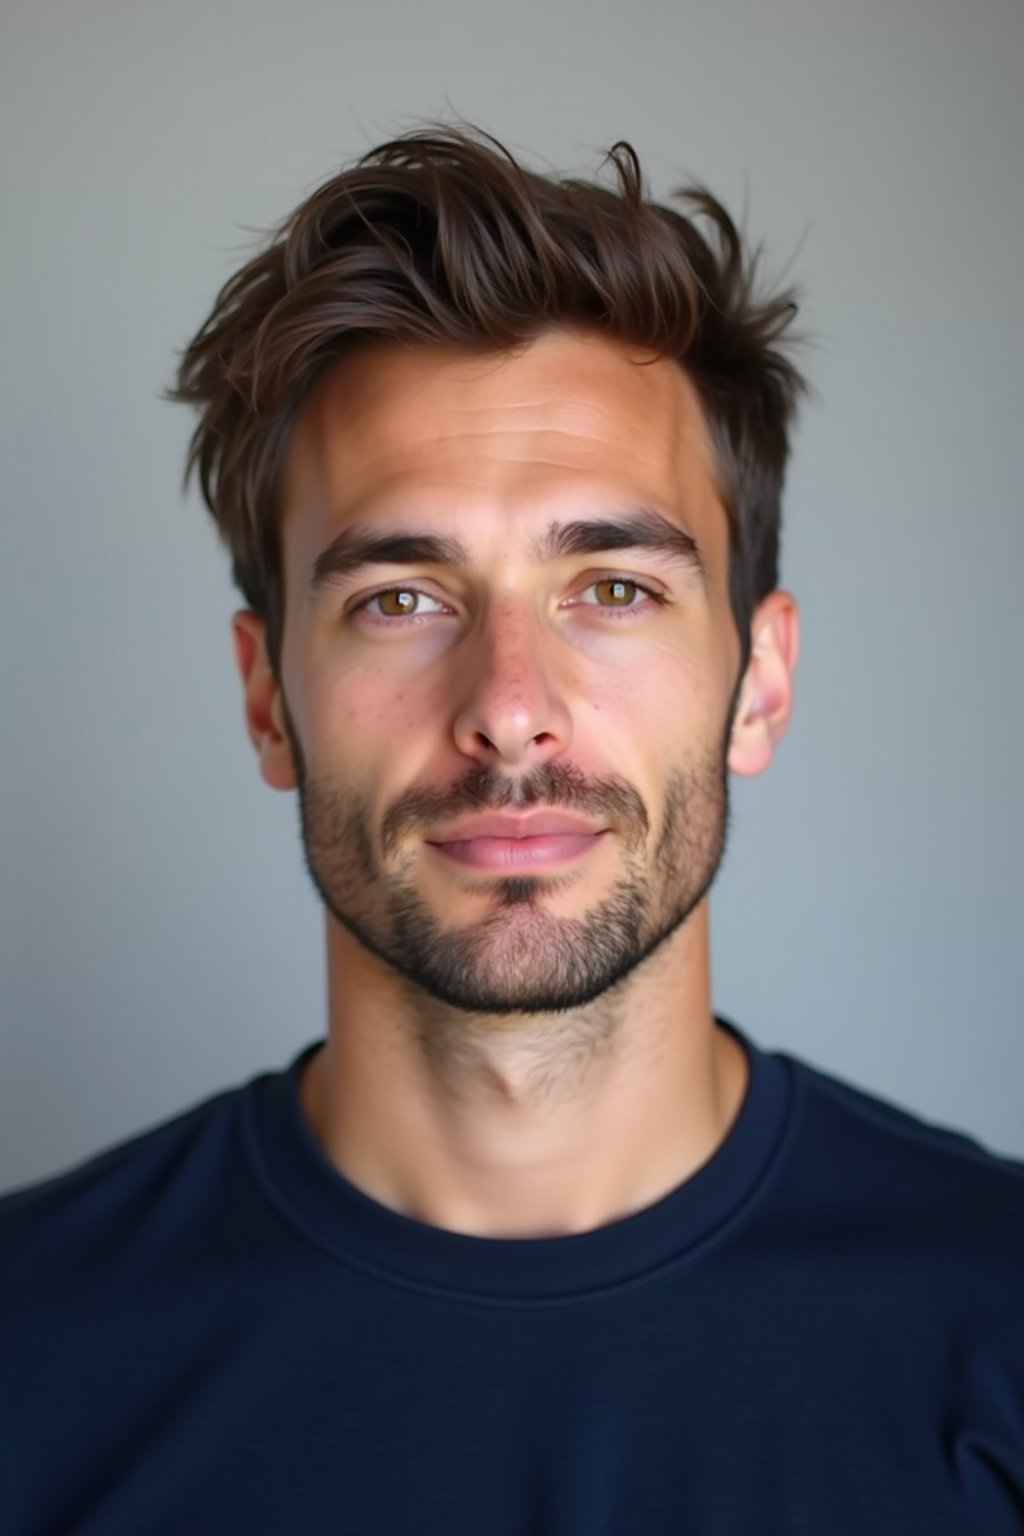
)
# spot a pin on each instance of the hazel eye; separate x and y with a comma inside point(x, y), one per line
point(398, 603)
point(621, 590)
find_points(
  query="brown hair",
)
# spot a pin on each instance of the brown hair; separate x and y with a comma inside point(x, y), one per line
point(440, 236)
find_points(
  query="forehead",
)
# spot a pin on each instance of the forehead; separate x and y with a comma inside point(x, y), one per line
point(571, 423)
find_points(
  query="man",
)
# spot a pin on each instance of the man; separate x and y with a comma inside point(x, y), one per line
point(531, 1242)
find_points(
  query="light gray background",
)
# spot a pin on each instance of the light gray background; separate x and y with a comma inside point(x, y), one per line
point(159, 937)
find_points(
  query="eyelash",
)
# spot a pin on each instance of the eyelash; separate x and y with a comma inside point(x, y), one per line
point(394, 621)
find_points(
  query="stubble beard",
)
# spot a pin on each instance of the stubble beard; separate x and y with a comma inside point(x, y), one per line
point(518, 958)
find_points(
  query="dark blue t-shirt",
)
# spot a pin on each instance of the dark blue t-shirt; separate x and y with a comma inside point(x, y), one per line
point(208, 1330)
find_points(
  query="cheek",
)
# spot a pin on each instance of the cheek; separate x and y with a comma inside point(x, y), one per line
point(362, 720)
point(672, 690)
point(667, 719)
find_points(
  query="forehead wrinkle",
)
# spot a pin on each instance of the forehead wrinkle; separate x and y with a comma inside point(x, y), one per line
point(384, 392)
point(369, 442)
point(465, 453)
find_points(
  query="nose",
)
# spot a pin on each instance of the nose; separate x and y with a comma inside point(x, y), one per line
point(512, 710)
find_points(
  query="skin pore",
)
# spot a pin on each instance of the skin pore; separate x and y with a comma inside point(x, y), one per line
point(530, 1053)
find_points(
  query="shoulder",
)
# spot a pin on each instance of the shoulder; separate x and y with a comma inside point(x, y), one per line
point(127, 1197)
point(926, 1180)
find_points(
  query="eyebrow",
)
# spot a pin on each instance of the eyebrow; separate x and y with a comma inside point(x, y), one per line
point(635, 528)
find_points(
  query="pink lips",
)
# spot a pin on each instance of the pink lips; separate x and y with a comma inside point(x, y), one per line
point(532, 840)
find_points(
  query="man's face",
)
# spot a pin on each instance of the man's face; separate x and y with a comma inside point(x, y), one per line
point(529, 663)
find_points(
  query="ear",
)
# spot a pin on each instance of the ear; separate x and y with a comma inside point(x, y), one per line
point(766, 693)
point(264, 715)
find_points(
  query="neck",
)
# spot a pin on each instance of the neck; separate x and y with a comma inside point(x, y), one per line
point(527, 1125)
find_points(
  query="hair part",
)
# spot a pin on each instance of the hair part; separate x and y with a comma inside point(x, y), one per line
point(440, 237)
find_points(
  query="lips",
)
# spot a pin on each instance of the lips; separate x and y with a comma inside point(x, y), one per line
point(527, 824)
point(530, 841)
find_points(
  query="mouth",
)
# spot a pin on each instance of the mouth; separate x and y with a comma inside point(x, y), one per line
point(544, 851)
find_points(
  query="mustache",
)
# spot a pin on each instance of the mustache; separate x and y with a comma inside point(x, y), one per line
point(556, 786)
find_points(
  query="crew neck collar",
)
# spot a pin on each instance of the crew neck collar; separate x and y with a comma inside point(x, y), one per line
point(330, 1211)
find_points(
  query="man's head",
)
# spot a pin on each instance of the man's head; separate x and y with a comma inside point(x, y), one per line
point(499, 460)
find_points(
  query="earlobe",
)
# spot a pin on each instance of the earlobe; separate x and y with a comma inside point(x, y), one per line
point(766, 694)
point(263, 702)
